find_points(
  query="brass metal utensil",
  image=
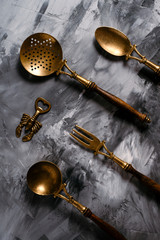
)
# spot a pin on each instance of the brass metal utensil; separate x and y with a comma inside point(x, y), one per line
point(31, 125)
point(41, 55)
point(45, 178)
point(90, 141)
point(116, 43)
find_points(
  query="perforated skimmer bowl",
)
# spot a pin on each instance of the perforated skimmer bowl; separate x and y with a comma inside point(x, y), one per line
point(41, 54)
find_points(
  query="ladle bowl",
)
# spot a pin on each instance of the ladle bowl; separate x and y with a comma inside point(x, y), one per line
point(41, 55)
point(116, 43)
point(45, 178)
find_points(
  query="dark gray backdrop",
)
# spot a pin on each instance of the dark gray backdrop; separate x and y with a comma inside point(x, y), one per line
point(96, 182)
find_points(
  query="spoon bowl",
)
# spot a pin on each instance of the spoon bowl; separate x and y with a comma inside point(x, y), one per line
point(44, 178)
point(113, 41)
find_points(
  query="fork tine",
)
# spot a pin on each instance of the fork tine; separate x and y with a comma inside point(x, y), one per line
point(93, 137)
point(82, 136)
point(80, 141)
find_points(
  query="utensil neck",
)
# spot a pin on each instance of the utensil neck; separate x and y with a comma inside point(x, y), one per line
point(111, 156)
point(87, 83)
point(143, 60)
point(71, 200)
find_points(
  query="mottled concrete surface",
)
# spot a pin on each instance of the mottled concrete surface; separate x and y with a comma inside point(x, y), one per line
point(96, 182)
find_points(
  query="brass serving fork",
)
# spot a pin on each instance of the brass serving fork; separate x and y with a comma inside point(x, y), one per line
point(90, 141)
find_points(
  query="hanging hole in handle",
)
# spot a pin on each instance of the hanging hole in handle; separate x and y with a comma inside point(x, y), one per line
point(42, 105)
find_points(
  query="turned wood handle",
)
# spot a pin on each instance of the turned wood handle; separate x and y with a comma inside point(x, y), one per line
point(104, 226)
point(113, 99)
point(120, 103)
point(155, 187)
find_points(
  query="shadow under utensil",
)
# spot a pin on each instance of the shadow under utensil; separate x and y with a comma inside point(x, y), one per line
point(118, 113)
point(149, 75)
point(76, 219)
point(144, 189)
point(122, 115)
point(107, 55)
point(85, 224)
point(136, 182)
point(38, 201)
point(32, 78)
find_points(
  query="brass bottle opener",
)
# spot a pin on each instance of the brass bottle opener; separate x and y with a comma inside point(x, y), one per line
point(31, 125)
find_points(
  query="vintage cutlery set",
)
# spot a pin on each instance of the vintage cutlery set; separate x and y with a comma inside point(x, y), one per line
point(41, 55)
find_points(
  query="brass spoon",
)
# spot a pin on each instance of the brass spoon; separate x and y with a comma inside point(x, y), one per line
point(45, 178)
point(116, 43)
point(41, 55)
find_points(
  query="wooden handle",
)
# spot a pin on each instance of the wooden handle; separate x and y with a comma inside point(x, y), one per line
point(155, 187)
point(104, 226)
point(120, 103)
point(113, 99)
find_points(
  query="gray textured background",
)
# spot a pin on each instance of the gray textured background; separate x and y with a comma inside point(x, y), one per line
point(96, 182)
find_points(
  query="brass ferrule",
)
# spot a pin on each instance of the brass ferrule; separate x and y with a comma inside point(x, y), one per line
point(152, 66)
point(78, 205)
point(87, 83)
point(120, 162)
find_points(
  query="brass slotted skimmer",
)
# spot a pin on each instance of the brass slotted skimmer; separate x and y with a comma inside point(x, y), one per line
point(45, 178)
point(41, 55)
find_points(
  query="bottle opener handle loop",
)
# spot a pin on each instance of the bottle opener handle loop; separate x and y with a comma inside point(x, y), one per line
point(45, 102)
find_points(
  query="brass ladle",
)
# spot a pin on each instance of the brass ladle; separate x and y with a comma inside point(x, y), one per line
point(41, 55)
point(116, 43)
point(45, 178)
